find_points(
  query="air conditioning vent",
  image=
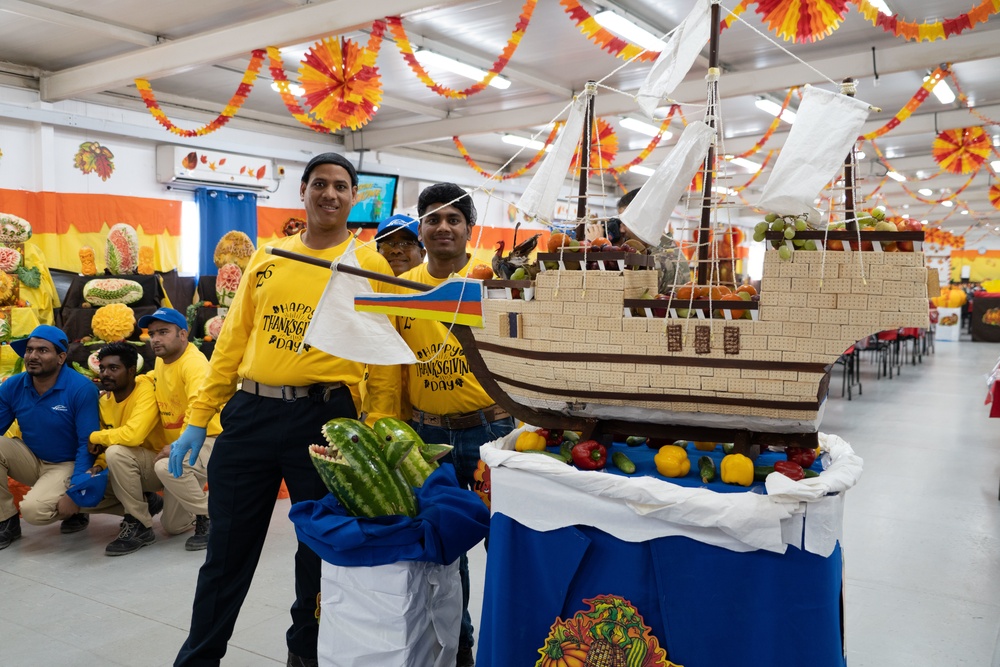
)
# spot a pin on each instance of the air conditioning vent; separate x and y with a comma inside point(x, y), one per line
point(181, 164)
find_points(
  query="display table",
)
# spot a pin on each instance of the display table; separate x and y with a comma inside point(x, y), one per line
point(738, 578)
point(985, 323)
point(75, 320)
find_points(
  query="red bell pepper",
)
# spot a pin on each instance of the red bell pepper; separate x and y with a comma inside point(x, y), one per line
point(789, 469)
point(589, 455)
point(553, 437)
point(804, 456)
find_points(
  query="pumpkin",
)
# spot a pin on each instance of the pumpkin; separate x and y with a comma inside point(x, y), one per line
point(563, 654)
point(951, 297)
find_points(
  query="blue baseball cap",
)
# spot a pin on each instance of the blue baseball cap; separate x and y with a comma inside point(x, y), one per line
point(52, 334)
point(399, 221)
point(168, 315)
point(86, 490)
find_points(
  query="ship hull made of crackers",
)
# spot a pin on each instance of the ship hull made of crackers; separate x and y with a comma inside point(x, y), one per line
point(580, 347)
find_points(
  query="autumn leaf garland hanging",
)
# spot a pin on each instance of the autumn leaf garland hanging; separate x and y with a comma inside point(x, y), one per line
point(341, 82)
point(961, 151)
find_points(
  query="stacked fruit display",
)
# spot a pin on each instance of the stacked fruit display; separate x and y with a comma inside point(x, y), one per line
point(788, 233)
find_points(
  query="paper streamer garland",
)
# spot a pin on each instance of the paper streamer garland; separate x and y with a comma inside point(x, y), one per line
point(341, 82)
point(603, 148)
point(802, 20)
point(514, 174)
point(961, 151)
point(653, 143)
point(405, 48)
point(235, 102)
point(603, 38)
point(911, 106)
point(928, 32)
point(995, 196)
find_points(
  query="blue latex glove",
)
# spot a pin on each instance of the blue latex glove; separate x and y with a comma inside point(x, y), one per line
point(191, 440)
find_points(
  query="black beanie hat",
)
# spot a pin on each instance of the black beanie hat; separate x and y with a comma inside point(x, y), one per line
point(445, 193)
point(331, 158)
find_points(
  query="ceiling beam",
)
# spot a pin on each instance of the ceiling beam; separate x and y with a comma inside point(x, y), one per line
point(293, 26)
point(903, 58)
point(77, 21)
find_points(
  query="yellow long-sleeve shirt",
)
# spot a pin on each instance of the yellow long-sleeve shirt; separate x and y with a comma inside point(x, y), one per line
point(263, 332)
point(135, 422)
point(445, 385)
point(176, 386)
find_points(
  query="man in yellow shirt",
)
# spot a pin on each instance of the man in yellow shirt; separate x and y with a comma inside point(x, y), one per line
point(177, 376)
point(127, 444)
point(288, 393)
point(449, 404)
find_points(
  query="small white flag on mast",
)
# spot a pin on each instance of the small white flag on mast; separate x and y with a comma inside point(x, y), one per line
point(338, 329)
point(676, 60)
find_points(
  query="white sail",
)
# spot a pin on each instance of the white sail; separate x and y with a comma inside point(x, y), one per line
point(826, 126)
point(676, 59)
point(647, 215)
point(338, 329)
point(539, 198)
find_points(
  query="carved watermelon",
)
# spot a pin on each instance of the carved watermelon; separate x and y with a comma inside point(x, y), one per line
point(4, 329)
point(233, 248)
point(105, 291)
point(123, 250)
point(226, 283)
point(10, 259)
point(213, 327)
point(14, 229)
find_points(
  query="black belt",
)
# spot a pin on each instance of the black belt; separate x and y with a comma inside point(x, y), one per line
point(491, 414)
point(288, 393)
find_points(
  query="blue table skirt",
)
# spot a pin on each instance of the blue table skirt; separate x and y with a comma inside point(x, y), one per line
point(708, 606)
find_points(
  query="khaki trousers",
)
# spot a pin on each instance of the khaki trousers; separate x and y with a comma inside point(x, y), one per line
point(130, 476)
point(184, 497)
point(48, 482)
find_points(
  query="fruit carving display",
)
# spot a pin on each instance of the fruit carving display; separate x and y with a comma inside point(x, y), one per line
point(13, 229)
point(233, 248)
point(8, 289)
point(88, 267)
point(422, 458)
point(950, 297)
point(146, 260)
point(213, 327)
point(113, 322)
point(226, 284)
point(871, 220)
point(122, 250)
point(362, 474)
point(106, 291)
point(10, 259)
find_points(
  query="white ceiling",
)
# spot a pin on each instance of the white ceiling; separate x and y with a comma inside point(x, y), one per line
point(194, 53)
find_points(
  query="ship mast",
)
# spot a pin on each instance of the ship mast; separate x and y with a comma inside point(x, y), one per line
point(588, 127)
point(848, 87)
point(704, 267)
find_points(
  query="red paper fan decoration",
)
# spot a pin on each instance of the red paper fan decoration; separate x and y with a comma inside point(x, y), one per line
point(341, 82)
point(961, 151)
point(995, 195)
point(603, 147)
point(802, 20)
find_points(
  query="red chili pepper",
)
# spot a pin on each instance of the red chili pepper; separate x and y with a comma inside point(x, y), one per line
point(789, 469)
point(804, 456)
point(589, 455)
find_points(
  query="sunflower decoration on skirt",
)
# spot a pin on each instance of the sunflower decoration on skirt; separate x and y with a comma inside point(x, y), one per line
point(995, 195)
point(341, 82)
point(802, 20)
point(961, 151)
point(603, 147)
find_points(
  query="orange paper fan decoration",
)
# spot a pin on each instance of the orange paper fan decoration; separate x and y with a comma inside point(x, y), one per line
point(802, 20)
point(961, 151)
point(995, 195)
point(603, 147)
point(341, 82)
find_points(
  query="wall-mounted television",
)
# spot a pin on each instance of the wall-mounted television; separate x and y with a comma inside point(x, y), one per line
point(375, 201)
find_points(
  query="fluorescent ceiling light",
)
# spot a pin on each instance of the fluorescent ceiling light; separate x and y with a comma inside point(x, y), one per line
point(429, 58)
point(964, 211)
point(906, 216)
point(927, 192)
point(723, 190)
point(861, 155)
point(642, 171)
point(881, 6)
point(923, 222)
point(995, 165)
point(774, 109)
point(526, 143)
point(996, 139)
point(622, 27)
point(750, 165)
point(643, 128)
point(947, 203)
point(942, 92)
point(896, 176)
point(293, 88)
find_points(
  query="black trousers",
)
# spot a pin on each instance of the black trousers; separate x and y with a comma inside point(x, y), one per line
point(263, 441)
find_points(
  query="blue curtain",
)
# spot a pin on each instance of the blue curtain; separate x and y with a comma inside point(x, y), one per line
point(223, 211)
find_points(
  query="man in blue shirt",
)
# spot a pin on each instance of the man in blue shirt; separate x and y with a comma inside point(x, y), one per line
point(56, 410)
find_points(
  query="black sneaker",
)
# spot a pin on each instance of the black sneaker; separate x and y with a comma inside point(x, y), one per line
point(464, 658)
point(155, 503)
point(132, 537)
point(10, 530)
point(199, 541)
point(300, 661)
point(74, 524)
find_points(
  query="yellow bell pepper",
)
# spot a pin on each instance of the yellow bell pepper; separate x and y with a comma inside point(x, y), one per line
point(529, 441)
point(672, 461)
point(737, 469)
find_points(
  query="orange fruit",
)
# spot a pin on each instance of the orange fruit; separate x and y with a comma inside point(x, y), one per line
point(600, 242)
point(737, 314)
point(685, 292)
point(749, 289)
point(702, 291)
point(556, 241)
point(481, 272)
point(724, 290)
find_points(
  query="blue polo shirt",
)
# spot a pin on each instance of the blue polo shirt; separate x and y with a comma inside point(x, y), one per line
point(56, 426)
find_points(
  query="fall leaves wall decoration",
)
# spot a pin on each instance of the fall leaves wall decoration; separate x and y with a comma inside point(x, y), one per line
point(93, 158)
